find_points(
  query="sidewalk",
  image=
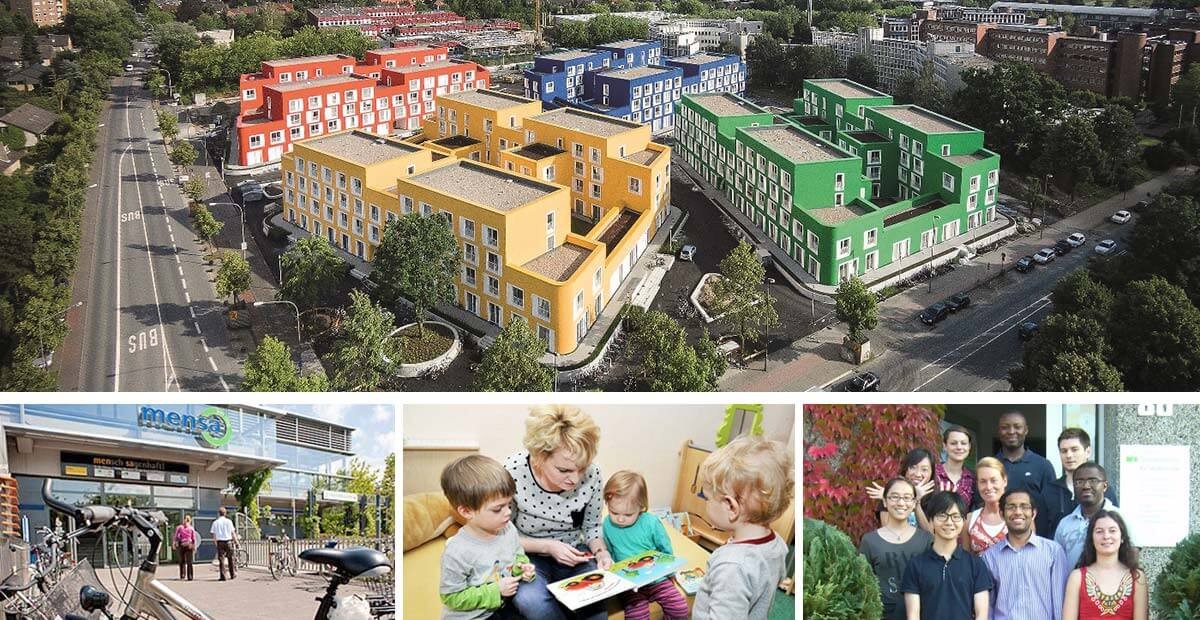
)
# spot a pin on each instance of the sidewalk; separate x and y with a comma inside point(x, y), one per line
point(815, 361)
point(254, 594)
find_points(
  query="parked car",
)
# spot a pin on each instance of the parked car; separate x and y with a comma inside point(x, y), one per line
point(1061, 247)
point(1106, 247)
point(935, 313)
point(1027, 330)
point(1120, 217)
point(128, 67)
point(1044, 255)
point(251, 190)
point(1141, 205)
point(1025, 264)
point(1076, 239)
point(865, 382)
point(687, 252)
point(958, 301)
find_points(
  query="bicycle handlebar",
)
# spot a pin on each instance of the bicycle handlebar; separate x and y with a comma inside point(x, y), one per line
point(96, 517)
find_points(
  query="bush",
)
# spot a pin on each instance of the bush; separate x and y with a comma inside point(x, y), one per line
point(1177, 589)
point(838, 582)
point(1163, 156)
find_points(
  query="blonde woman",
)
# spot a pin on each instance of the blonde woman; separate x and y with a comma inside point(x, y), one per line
point(985, 526)
point(558, 507)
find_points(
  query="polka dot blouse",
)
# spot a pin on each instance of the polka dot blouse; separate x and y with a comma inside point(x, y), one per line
point(572, 517)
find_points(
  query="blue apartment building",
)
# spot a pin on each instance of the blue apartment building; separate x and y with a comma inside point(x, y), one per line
point(631, 80)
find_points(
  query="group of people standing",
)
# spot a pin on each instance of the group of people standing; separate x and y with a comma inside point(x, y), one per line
point(1007, 541)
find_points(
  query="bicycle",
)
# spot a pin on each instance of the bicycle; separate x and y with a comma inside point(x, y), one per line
point(153, 600)
point(241, 556)
point(282, 561)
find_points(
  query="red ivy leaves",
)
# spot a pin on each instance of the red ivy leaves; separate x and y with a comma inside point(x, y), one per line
point(847, 447)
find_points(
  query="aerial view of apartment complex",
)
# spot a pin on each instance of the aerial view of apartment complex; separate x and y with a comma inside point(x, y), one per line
point(507, 177)
point(391, 91)
point(631, 80)
point(848, 182)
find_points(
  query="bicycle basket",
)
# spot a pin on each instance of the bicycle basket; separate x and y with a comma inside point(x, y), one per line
point(63, 598)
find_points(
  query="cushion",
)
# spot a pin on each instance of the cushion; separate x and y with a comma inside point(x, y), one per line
point(426, 517)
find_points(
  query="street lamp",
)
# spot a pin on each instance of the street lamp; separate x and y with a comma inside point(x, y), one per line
point(242, 216)
point(936, 219)
point(299, 339)
point(555, 368)
point(767, 326)
point(1045, 202)
point(42, 335)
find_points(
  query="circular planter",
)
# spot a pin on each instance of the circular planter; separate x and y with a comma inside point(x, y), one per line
point(420, 369)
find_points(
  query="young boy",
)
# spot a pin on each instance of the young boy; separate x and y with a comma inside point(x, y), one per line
point(747, 484)
point(945, 581)
point(483, 563)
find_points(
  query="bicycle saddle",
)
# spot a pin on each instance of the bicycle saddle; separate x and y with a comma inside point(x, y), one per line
point(353, 561)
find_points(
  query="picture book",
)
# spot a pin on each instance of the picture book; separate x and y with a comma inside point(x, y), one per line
point(689, 580)
point(639, 570)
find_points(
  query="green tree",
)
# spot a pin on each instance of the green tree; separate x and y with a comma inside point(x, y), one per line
point(1155, 335)
point(1185, 97)
point(658, 346)
point(1081, 295)
point(1014, 105)
point(104, 26)
point(310, 270)
point(233, 277)
point(740, 294)
point(270, 369)
point(387, 489)
point(364, 481)
point(207, 226)
point(368, 353)
point(183, 154)
point(1068, 354)
point(861, 69)
point(418, 261)
point(857, 307)
point(1165, 241)
point(1118, 138)
point(246, 489)
point(764, 57)
point(168, 124)
point(921, 88)
point(12, 138)
point(511, 363)
point(171, 41)
point(571, 34)
point(1071, 152)
point(194, 189)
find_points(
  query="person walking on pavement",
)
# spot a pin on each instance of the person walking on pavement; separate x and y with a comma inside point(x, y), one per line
point(225, 536)
point(184, 541)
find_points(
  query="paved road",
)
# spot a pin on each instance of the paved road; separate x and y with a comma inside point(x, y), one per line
point(151, 318)
point(973, 350)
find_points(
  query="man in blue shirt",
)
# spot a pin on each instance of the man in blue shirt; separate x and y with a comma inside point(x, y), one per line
point(1090, 483)
point(1029, 572)
point(945, 581)
point(1074, 449)
point(1026, 470)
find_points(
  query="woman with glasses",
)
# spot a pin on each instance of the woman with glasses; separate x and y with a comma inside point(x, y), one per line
point(954, 475)
point(985, 526)
point(917, 467)
point(1108, 585)
point(889, 548)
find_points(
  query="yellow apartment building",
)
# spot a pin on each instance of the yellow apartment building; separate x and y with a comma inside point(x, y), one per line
point(508, 181)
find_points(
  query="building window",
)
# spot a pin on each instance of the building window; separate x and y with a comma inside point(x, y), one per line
point(491, 237)
point(843, 249)
point(541, 308)
point(516, 297)
point(493, 262)
point(870, 237)
point(948, 181)
point(467, 228)
point(635, 185)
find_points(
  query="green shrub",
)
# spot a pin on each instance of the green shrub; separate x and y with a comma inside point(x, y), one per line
point(1177, 589)
point(838, 582)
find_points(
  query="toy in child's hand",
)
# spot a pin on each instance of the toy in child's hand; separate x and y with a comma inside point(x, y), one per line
point(524, 572)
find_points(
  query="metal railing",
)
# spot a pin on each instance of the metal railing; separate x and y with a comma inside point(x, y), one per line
point(260, 550)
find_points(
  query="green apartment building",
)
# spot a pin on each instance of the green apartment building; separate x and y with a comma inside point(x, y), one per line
point(848, 182)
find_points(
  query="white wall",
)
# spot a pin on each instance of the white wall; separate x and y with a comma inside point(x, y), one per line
point(645, 438)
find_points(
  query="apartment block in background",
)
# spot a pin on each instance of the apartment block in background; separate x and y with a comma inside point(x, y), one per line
point(43, 13)
point(848, 182)
point(391, 91)
point(507, 178)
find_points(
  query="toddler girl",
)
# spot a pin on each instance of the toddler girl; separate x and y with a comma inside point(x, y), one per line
point(629, 530)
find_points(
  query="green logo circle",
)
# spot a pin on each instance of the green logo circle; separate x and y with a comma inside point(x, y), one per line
point(217, 432)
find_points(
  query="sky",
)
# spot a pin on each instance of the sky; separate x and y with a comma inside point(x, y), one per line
point(374, 436)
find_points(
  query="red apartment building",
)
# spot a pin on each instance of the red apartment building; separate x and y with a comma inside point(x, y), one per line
point(391, 91)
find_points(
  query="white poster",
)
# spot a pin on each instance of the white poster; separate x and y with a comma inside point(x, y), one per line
point(1156, 493)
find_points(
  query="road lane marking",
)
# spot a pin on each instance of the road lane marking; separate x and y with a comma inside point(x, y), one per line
point(174, 248)
point(192, 311)
point(187, 297)
point(223, 384)
point(117, 341)
point(204, 343)
point(196, 324)
point(986, 331)
point(172, 235)
point(213, 364)
point(1041, 303)
point(180, 267)
point(184, 283)
point(176, 258)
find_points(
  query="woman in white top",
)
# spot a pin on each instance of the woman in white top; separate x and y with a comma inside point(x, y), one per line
point(985, 526)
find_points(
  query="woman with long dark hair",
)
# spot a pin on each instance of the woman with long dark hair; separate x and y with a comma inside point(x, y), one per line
point(917, 467)
point(889, 548)
point(1108, 584)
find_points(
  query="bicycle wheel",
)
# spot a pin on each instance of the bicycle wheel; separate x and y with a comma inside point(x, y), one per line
point(292, 565)
point(242, 557)
point(276, 564)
